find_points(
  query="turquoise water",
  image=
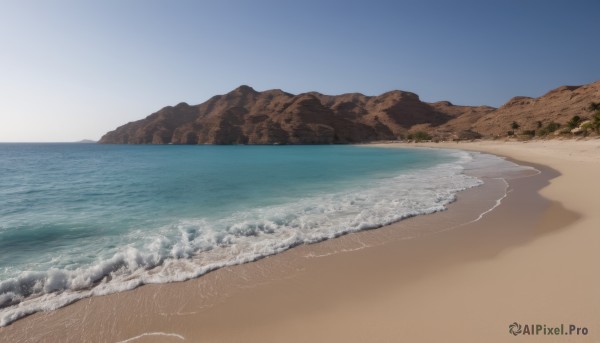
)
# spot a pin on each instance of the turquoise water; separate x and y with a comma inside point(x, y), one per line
point(83, 219)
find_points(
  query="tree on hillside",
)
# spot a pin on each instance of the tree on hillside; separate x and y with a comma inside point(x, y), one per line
point(595, 107)
point(574, 122)
point(515, 125)
point(596, 122)
point(550, 127)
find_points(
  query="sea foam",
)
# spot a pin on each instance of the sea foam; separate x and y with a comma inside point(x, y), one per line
point(192, 247)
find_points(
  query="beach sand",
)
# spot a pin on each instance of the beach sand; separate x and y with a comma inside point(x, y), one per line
point(532, 260)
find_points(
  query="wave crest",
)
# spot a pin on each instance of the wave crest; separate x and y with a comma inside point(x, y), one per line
point(193, 247)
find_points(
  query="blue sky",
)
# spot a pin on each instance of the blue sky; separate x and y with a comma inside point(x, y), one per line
point(75, 69)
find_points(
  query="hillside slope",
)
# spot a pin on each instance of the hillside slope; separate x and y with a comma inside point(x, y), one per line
point(246, 116)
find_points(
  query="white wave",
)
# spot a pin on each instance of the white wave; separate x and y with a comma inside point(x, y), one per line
point(193, 247)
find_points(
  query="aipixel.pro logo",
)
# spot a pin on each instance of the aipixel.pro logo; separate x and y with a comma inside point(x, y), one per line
point(516, 329)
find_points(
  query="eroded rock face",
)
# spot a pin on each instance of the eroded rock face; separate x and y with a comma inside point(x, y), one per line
point(245, 116)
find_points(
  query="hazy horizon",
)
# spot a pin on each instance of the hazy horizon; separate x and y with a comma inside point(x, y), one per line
point(76, 70)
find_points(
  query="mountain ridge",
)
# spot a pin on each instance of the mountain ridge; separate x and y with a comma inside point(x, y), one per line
point(247, 116)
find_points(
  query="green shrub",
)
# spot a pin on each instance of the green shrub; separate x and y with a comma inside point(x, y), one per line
point(469, 135)
point(574, 122)
point(596, 121)
point(549, 128)
point(595, 107)
point(421, 136)
point(552, 126)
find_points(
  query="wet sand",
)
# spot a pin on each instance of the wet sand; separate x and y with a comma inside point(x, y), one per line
point(441, 277)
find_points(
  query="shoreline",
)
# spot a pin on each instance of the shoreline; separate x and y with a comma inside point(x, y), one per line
point(308, 291)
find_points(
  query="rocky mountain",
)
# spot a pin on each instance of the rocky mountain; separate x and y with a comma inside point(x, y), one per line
point(245, 116)
point(559, 105)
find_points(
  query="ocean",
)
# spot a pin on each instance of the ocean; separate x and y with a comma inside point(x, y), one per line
point(78, 220)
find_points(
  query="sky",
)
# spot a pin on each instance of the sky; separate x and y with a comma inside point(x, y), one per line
point(72, 70)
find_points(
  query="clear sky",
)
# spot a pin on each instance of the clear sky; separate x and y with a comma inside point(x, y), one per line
point(71, 70)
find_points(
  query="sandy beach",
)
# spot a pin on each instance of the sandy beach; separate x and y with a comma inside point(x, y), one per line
point(453, 276)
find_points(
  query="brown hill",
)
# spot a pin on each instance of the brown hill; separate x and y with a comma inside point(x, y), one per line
point(558, 105)
point(245, 116)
